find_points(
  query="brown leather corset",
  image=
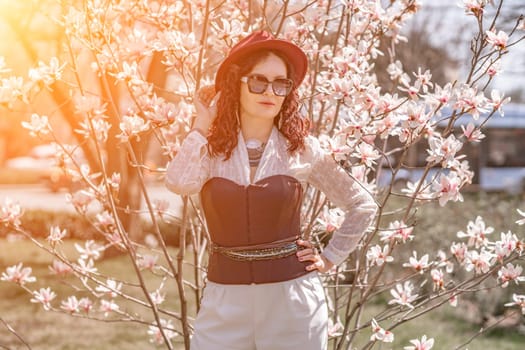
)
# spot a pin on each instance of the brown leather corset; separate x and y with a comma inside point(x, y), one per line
point(257, 214)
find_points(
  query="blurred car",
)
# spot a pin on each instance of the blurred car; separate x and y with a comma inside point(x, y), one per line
point(41, 163)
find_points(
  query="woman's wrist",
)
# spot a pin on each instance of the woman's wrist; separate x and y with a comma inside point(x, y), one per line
point(201, 127)
point(199, 130)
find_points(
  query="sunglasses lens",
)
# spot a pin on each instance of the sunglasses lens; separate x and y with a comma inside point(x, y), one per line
point(257, 85)
point(282, 87)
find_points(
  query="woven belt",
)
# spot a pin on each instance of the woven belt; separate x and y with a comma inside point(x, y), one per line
point(274, 250)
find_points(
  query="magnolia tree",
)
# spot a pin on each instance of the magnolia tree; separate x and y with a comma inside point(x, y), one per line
point(124, 77)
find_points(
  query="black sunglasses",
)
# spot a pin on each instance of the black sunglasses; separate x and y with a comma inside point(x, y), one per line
point(257, 84)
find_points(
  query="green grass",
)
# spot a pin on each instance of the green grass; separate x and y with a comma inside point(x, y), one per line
point(55, 330)
point(448, 332)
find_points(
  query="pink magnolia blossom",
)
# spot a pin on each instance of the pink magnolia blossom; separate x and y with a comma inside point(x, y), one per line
point(469, 101)
point(474, 7)
point(111, 288)
point(330, 219)
point(494, 68)
point(108, 306)
point(378, 256)
point(151, 241)
point(162, 112)
point(156, 335)
point(81, 199)
point(105, 219)
point(12, 89)
point(96, 127)
point(157, 297)
point(230, 31)
point(443, 261)
point(147, 262)
point(47, 74)
point(416, 116)
point(18, 274)
point(114, 237)
point(132, 126)
point(366, 153)
point(85, 304)
point(129, 72)
point(424, 79)
point(10, 213)
point(91, 250)
point(498, 101)
point(480, 262)
point(476, 233)
point(387, 103)
point(114, 181)
point(506, 245)
point(499, 40)
point(395, 70)
point(335, 328)
point(418, 264)
point(443, 150)
point(448, 188)
point(510, 273)
point(397, 231)
point(437, 279)
point(380, 334)
point(353, 125)
point(56, 235)
point(441, 95)
point(338, 147)
point(89, 104)
point(412, 91)
point(70, 305)
point(518, 300)
point(86, 267)
point(38, 126)
point(459, 250)
point(423, 344)
point(422, 194)
point(402, 294)
point(44, 296)
point(471, 133)
point(60, 268)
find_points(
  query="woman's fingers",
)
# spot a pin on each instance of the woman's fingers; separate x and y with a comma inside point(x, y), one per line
point(206, 94)
point(205, 102)
point(310, 253)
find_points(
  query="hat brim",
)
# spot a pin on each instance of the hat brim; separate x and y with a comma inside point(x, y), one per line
point(294, 54)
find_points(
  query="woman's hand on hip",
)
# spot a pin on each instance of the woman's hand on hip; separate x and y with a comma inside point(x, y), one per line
point(310, 253)
point(205, 102)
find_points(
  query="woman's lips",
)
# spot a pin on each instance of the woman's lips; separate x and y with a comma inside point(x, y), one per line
point(267, 103)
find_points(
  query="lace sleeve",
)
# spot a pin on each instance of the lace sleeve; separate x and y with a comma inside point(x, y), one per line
point(189, 169)
point(346, 193)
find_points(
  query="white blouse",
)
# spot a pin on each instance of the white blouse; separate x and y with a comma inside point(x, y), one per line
point(192, 167)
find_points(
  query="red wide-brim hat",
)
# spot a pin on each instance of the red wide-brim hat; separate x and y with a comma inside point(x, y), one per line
point(260, 40)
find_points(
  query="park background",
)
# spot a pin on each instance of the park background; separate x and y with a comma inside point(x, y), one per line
point(443, 32)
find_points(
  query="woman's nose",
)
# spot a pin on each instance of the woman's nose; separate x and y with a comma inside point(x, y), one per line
point(268, 90)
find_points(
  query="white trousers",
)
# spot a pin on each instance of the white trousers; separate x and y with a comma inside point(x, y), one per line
point(287, 315)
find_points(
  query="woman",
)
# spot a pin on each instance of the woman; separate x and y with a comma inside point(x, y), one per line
point(249, 157)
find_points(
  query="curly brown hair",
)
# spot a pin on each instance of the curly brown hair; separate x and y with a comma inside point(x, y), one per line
point(222, 138)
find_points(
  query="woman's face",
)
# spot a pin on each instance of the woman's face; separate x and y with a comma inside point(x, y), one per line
point(266, 105)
